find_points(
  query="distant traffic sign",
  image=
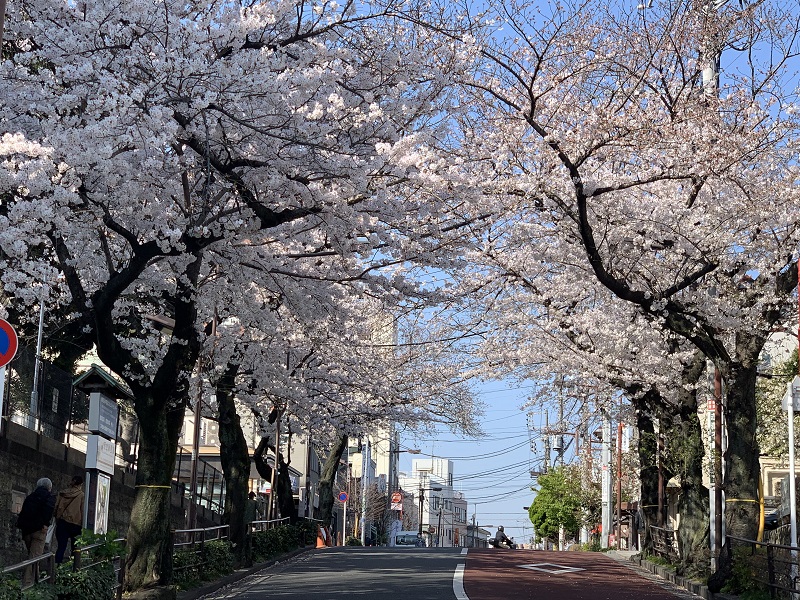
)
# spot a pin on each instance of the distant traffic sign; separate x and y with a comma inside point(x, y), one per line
point(343, 496)
point(8, 342)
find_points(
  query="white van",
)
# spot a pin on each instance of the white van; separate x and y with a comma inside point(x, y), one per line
point(409, 539)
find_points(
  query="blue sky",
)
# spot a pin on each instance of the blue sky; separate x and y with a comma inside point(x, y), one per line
point(493, 471)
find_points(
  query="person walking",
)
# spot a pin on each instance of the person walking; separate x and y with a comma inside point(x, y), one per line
point(69, 516)
point(251, 511)
point(33, 520)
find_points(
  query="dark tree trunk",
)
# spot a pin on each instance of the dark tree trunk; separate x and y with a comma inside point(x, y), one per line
point(284, 490)
point(148, 562)
point(235, 458)
point(648, 476)
point(741, 456)
point(327, 479)
point(260, 459)
point(687, 446)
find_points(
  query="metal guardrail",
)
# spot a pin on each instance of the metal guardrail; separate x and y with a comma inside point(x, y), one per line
point(256, 526)
point(664, 543)
point(79, 563)
point(48, 558)
point(773, 560)
point(80, 556)
point(194, 540)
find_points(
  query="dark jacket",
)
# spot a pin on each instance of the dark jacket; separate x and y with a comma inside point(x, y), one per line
point(37, 511)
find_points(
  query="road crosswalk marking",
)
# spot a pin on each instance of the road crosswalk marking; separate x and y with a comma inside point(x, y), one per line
point(551, 568)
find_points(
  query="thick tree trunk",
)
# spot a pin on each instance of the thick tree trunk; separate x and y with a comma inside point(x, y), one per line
point(742, 454)
point(327, 479)
point(148, 562)
point(687, 446)
point(283, 484)
point(648, 476)
point(235, 458)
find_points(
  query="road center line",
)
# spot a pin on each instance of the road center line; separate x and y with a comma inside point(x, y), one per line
point(458, 583)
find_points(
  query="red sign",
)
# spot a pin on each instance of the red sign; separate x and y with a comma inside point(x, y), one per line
point(8, 343)
point(397, 497)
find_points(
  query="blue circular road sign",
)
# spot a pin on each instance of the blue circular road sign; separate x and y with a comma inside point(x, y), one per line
point(343, 496)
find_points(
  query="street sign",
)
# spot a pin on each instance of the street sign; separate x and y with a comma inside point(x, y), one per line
point(8, 342)
point(343, 496)
point(397, 501)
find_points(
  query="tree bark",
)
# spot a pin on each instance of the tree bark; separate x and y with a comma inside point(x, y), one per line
point(327, 479)
point(283, 486)
point(235, 458)
point(742, 454)
point(687, 446)
point(148, 562)
point(648, 475)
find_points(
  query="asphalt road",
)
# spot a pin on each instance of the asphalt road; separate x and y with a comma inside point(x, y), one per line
point(352, 573)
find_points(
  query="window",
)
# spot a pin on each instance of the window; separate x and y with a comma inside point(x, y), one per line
point(54, 401)
point(436, 502)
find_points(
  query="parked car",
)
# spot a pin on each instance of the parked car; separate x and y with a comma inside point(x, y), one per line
point(772, 520)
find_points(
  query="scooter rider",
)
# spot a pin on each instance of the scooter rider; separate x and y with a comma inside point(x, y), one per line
point(501, 537)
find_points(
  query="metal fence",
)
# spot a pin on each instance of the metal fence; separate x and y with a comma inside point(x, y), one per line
point(44, 566)
point(773, 565)
point(664, 543)
point(210, 481)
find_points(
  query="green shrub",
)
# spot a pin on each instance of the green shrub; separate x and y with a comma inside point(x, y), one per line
point(43, 591)
point(592, 546)
point(10, 588)
point(747, 568)
point(352, 541)
point(217, 559)
point(191, 566)
point(186, 568)
point(93, 583)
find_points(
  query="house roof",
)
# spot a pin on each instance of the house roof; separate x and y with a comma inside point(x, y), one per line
point(95, 379)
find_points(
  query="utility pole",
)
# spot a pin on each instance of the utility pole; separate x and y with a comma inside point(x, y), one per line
point(439, 529)
point(546, 467)
point(619, 484)
point(606, 479)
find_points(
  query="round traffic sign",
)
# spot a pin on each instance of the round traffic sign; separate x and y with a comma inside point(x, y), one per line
point(8, 342)
point(343, 496)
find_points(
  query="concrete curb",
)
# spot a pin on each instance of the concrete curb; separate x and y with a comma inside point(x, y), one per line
point(238, 575)
point(689, 585)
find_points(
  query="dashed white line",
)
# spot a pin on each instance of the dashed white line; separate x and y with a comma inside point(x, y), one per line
point(458, 583)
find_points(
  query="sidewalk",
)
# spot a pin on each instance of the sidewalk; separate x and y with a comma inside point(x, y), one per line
point(212, 586)
point(681, 586)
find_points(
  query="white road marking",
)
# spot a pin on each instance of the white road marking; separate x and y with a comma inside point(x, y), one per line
point(458, 583)
point(551, 568)
point(464, 551)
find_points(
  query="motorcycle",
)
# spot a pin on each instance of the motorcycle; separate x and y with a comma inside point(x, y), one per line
point(504, 545)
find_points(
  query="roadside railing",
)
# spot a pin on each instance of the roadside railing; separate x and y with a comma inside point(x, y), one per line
point(664, 543)
point(773, 565)
point(44, 566)
point(84, 558)
point(49, 569)
point(194, 540)
point(256, 526)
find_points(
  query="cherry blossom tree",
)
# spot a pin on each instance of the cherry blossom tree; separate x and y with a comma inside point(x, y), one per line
point(599, 153)
point(150, 148)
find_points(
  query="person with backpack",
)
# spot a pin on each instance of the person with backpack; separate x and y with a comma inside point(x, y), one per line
point(33, 520)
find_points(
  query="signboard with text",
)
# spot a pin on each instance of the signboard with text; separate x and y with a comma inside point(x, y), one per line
point(103, 415)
